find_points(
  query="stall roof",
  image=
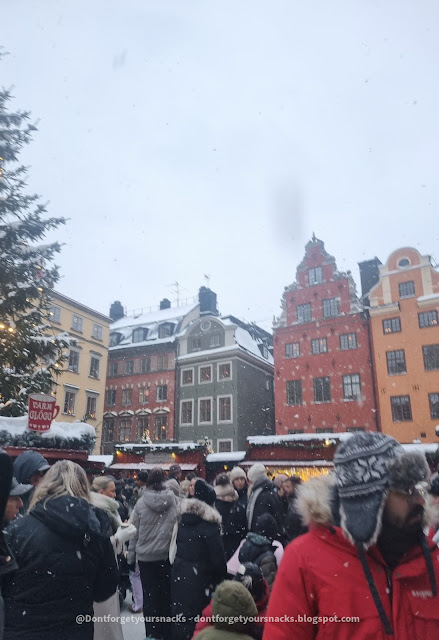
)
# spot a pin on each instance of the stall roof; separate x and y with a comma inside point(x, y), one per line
point(231, 456)
point(139, 466)
point(297, 437)
point(106, 460)
point(289, 463)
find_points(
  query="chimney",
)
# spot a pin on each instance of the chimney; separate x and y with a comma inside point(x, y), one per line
point(165, 304)
point(116, 311)
point(207, 300)
point(369, 275)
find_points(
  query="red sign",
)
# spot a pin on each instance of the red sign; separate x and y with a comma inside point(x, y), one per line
point(42, 410)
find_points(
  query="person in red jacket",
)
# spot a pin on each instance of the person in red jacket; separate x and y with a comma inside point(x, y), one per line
point(365, 569)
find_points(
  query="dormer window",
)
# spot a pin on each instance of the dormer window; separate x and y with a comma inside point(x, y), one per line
point(166, 330)
point(115, 338)
point(264, 351)
point(140, 334)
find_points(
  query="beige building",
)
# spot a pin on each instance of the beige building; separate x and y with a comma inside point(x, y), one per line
point(81, 386)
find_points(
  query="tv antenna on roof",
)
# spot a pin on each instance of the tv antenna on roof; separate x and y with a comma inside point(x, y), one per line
point(207, 278)
point(176, 290)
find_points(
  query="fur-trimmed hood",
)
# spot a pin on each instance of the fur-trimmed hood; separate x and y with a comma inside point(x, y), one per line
point(226, 492)
point(194, 507)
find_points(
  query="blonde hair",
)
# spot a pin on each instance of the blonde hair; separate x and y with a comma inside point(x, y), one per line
point(100, 483)
point(64, 478)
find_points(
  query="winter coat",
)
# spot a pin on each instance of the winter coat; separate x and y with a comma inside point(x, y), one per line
point(154, 517)
point(65, 563)
point(111, 508)
point(259, 550)
point(234, 563)
point(233, 516)
point(321, 575)
point(199, 565)
point(293, 526)
point(230, 601)
point(262, 499)
point(7, 563)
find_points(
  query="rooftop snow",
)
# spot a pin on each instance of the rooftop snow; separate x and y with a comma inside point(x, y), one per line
point(226, 457)
point(107, 460)
point(341, 437)
point(158, 447)
point(64, 430)
point(164, 315)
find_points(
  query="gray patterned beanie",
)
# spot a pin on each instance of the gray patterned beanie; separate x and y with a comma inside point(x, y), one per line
point(366, 466)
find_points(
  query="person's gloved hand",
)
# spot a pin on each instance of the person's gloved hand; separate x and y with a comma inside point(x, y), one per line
point(123, 534)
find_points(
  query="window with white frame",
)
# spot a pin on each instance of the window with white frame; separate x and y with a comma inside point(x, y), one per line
point(110, 397)
point(215, 340)
point(166, 330)
point(77, 322)
point(97, 331)
point(162, 393)
point(352, 387)
point(319, 345)
point(205, 411)
point(73, 364)
point(186, 412)
point(160, 427)
point(224, 408)
point(205, 374)
point(406, 289)
point(304, 313)
point(108, 430)
point(162, 362)
point(145, 365)
point(127, 397)
point(91, 407)
point(69, 403)
point(125, 429)
point(140, 334)
point(315, 276)
point(330, 307)
point(112, 369)
point(292, 350)
point(55, 313)
point(94, 367)
point(187, 377)
point(225, 445)
point(128, 367)
point(224, 371)
point(142, 427)
point(143, 395)
point(348, 341)
point(196, 344)
point(427, 319)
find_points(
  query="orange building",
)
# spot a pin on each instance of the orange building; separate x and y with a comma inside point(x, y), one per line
point(404, 308)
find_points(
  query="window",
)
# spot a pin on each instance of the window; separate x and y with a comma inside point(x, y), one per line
point(162, 363)
point(264, 351)
point(160, 427)
point(401, 409)
point(91, 407)
point(225, 445)
point(108, 430)
point(225, 371)
point(294, 392)
point(77, 322)
point(125, 434)
point(427, 319)
point(112, 369)
point(214, 340)
point(187, 377)
point(143, 395)
point(145, 365)
point(434, 405)
point(97, 331)
point(355, 429)
point(140, 334)
point(330, 307)
point(128, 367)
point(348, 341)
point(94, 367)
point(162, 393)
point(110, 397)
point(352, 387)
point(186, 411)
point(142, 428)
point(127, 397)
point(224, 408)
point(292, 350)
point(322, 390)
point(403, 263)
point(304, 313)
point(73, 364)
point(205, 411)
point(196, 344)
point(396, 362)
point(165, 330)
point(292, 432)
point(315, 276)
point(431, 357)
point(69, 403)
point(55, 313)
point(115, 338)
point(406, 289)
point(325, 430)
point(205, 374)
point(392, 325)
point(319, 346)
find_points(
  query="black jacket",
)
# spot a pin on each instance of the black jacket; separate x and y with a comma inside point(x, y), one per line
point(263, 500)
point(7, 562)
point(199, 565)
point(293, 522)
point(259, 550)
point(65, 563)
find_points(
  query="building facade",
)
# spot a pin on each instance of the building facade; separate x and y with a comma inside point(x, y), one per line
point(404, 307)
point(80, 388)
point(225, 375)
point(322, 356)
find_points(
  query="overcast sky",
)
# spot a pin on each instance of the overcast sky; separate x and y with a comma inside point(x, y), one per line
point(194, 137)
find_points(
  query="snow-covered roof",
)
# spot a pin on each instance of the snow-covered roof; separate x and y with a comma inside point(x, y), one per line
point(432, 296)
point(422, 448)
point(139, 466)
point(107, 460)
point(341, 437)
point(289, 463)
point(186, 446)
point(64, 430)
point(150, 321)
point(226, 457)
point(246, 342)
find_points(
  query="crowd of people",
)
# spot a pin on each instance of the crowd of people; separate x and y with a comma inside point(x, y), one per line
point(349, 555)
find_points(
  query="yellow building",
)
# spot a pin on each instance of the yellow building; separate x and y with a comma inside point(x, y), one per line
point(80, 387)
point(404, 307)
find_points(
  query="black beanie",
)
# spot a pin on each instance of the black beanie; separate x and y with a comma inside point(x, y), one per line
point(266, 526)
point(204, 492)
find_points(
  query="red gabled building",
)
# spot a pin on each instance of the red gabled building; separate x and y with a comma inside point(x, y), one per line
point(322, 360)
